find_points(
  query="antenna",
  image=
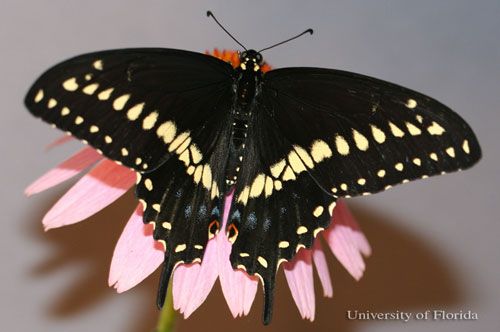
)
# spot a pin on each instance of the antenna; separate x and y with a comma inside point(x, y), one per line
point(310, 31)
point(210, 14)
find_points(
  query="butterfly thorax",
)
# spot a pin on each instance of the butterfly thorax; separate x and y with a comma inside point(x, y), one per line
point(247, 87)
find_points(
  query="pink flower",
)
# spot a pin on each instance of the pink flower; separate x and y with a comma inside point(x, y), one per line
point(137, 255)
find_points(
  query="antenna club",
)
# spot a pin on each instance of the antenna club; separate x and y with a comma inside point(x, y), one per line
point(311, 31)
point(209, 13)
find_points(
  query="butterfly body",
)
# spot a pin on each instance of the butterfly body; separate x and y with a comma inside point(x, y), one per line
point(287, 143)
point(246, 88)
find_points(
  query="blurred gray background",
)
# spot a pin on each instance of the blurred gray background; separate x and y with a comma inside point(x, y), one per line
point(435, 241)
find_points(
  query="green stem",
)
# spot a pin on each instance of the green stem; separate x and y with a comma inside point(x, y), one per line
point(166, 321)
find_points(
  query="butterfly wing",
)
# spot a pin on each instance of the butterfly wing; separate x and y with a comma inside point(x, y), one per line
point(277, 208)
point(362, 135)
point(162, 112)
point(134, 105)
point(319, 134)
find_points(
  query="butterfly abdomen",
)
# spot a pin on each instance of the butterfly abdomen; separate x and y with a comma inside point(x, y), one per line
point(246, 87)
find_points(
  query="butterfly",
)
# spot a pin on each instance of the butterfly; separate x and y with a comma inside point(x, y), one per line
point(287, 143)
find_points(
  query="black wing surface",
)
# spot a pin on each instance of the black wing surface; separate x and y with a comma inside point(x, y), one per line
point(133, 105)
point(365, 135)
point(320, 134)
point(277, 207)
point(163, 113)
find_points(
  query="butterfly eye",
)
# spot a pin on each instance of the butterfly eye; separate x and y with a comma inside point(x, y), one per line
point(259, 58)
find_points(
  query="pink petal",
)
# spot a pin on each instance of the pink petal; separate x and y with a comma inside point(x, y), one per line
point(238, 287)
point(348, 219)
point(100, 187)
point(193, 282)
point(67, 169)
point(61, 140)
point(299, 275)
point(344, 241)
point(322, 268)
point(136, 254)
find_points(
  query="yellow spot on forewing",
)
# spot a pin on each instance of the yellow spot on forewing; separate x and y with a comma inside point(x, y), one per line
point(70, 84)
point(395, 130)
point(451, 152)
point(465, 146)
point(378, 134)
point(433, 156)
point(399, 166)
point(411, 103)
point(149, 121)
point(39, 96)
point(78, 120)
point(343, 186)
point(435, 129)
point(156, 207)
point(320, 151)
point(190, 170)
point(167, 131)
point(94, 129)
point(244, 254)
point(65, 111)
point(417, 161)
point(108, 139)
point(90, 89)
point(360, 140)
point(124, 152)
point(361, 181)
point(52, 103)
point(414, 131)
point(419, 118)
point(98, 64)
point(138, 161)
point(342, 146)
point(166, 225)
point(120, 102)
point(135, 111)
point(381, 173)
point(105, 94)
point(277, 168)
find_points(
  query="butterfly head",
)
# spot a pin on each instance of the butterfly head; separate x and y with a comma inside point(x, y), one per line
point(251, 60)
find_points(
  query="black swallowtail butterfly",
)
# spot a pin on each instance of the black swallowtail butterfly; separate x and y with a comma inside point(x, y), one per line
point(288, 142)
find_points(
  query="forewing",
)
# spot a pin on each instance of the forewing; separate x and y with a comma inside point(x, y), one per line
point(365, 135)
point(133, 105)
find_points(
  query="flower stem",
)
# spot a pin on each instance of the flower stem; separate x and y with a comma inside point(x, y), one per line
point(166, 321)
